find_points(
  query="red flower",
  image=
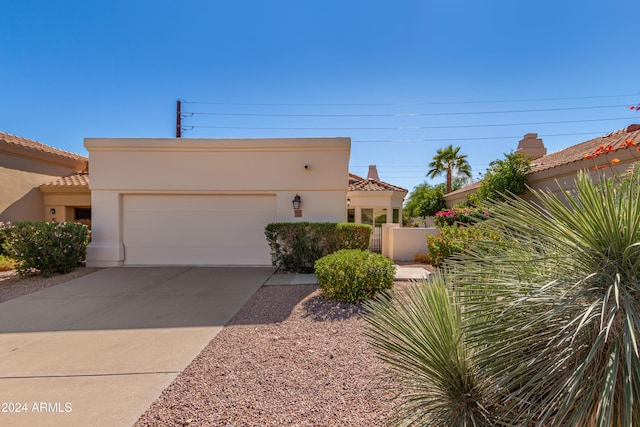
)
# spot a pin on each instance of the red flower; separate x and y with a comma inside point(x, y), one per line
point(615, 161)
point(587, 156)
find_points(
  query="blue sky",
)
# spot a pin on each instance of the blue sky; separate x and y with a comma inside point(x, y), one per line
point(402, 78)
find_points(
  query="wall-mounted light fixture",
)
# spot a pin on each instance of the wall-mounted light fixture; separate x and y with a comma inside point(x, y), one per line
point(52, 211)
point(296, 202)
point(348, 202)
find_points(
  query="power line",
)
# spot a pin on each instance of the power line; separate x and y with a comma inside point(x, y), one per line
point(194, 113)
point(408, 127)
point(477, 137)
point(410, 103)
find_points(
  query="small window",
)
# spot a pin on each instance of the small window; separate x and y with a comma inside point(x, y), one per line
point(367, 216)
point(351, 215)
point(81, 213)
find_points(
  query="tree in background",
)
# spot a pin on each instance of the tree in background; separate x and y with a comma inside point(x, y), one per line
point(504, 177)
point(425, 200)
point(449, 160)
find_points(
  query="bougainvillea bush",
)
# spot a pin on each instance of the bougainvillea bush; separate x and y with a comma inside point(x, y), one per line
point(460, 216)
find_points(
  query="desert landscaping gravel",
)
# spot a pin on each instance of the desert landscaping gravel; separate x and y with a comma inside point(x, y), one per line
point(290, 357)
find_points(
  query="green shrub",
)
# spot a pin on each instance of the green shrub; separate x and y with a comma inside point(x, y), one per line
point(47, 247)
point(6, 263)
point(4, 227)
point(352, 275)
point(454, 239)
point(296, 246)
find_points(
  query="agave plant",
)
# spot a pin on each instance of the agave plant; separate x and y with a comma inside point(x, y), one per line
point(418, 332)
point(556, 306)
point(539, 327)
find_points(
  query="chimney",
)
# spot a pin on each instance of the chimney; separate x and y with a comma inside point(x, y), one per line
point(531, 146)
point(373, 173)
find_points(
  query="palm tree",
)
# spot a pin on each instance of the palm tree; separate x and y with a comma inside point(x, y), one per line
point(447, 160)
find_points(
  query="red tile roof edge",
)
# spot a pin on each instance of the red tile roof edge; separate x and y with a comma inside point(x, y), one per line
point(39, 147)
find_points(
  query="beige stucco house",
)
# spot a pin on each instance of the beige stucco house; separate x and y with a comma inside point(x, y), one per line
point(207, 201)
point(557, 171)
point(190, 201)
point(36, 183)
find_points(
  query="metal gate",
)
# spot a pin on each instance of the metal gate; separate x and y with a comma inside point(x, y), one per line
point(375, 244)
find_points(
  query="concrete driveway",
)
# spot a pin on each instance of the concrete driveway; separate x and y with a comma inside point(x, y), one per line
point(98, 350)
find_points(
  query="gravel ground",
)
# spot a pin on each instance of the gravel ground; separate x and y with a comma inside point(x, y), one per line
point(289, 357)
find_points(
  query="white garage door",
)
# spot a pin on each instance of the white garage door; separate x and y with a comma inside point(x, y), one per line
point(197, 229)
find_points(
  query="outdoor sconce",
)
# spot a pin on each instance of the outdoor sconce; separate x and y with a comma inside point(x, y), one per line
point(296, 202)
point(348, 202)
point(52, 211)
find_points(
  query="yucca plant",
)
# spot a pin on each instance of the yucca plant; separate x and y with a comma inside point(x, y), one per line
point(418, 332)
point(553, 310)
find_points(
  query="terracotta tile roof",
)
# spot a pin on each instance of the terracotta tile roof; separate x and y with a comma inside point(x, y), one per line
point(353, 178)
point(75, 180)
point(39, 147)
point(374, 185)
point(574, 153)
point(577, 152)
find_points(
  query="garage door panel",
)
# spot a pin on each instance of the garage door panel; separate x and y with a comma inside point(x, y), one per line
point(197, 229)
point(177, 255)
point(193, 237)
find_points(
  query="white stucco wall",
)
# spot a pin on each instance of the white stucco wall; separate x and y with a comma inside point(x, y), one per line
point(133, 166)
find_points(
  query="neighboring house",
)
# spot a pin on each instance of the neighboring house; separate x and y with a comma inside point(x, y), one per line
point(371, 201)
point(377, 203)
point(30, 175)
point(557, 171)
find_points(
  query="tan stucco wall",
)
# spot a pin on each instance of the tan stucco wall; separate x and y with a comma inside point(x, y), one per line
point(213, 166)
point(402, 243)
point(20, 199)
point(564, 177)
point(63, 203)
point(20, 176)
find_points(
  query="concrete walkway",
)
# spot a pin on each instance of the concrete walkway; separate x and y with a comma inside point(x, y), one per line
point(98, 350)
point(402, 273)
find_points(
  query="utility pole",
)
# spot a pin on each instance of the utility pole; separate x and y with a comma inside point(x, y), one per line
point(178, 119)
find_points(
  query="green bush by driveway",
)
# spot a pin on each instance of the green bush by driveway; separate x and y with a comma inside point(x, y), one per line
point(353, 276)
point(46, 247)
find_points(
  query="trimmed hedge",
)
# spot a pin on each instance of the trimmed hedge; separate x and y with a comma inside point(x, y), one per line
point(48, 247)
point(296, 246)
point(353, 276)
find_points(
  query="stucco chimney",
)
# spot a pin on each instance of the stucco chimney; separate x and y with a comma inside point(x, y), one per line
point(373, 173)
point(531, 146)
